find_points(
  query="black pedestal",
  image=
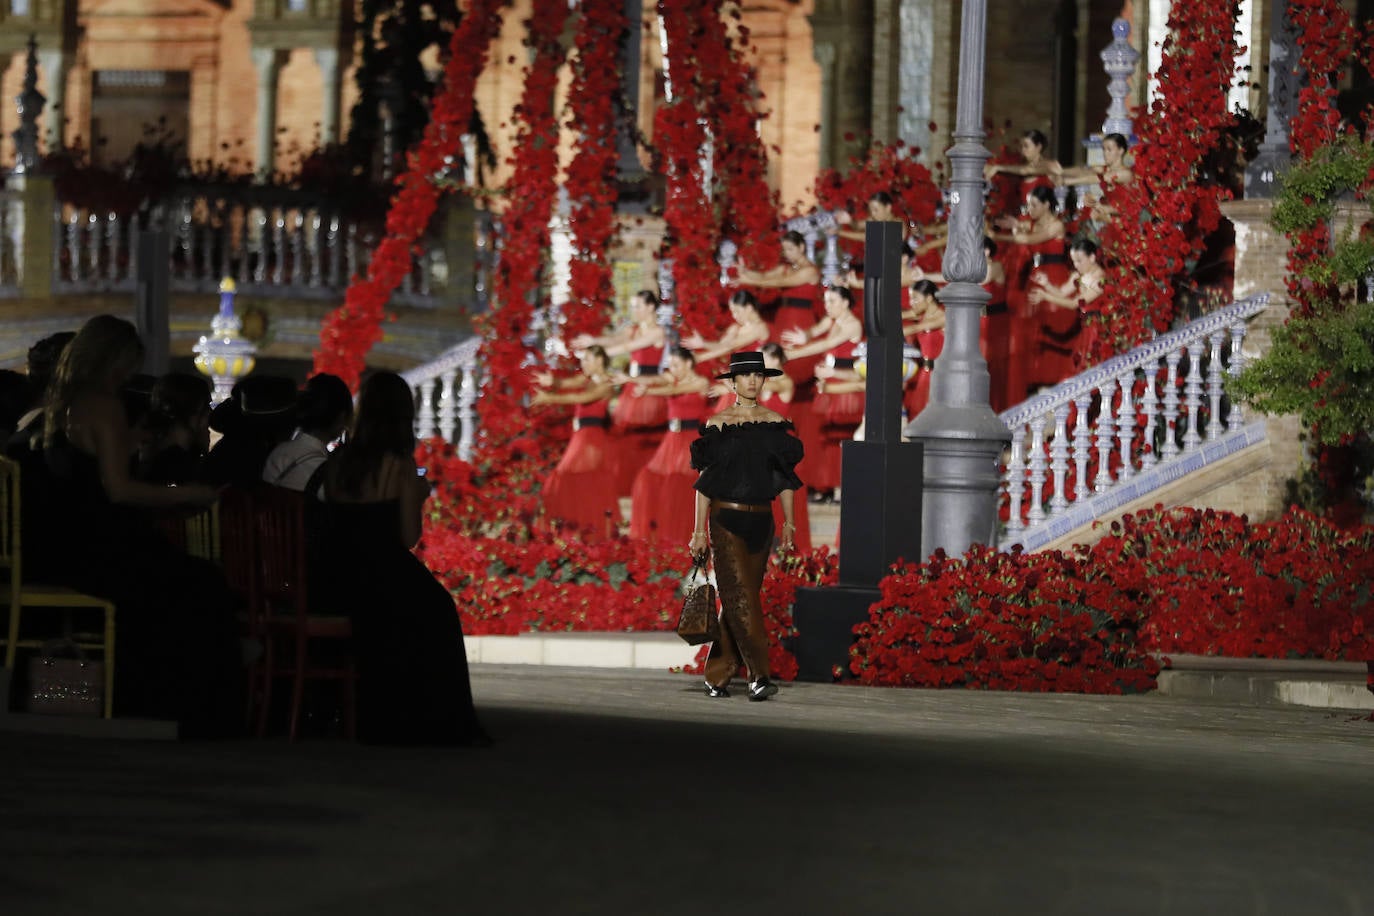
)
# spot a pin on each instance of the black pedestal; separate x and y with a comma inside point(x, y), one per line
point(825, 619)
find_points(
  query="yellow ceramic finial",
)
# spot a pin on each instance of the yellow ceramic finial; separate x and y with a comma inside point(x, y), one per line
point(227, 285)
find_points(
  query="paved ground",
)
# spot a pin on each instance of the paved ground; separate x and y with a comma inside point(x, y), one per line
point(613, 792)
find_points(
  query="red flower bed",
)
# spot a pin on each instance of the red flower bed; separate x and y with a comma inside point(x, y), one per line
point(1181, 581)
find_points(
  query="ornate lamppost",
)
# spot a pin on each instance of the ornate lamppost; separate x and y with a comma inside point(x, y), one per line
point(29, 103)
point(963, 438)
point(225, 355)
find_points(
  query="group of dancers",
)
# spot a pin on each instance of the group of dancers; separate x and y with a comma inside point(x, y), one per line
point(633, 426)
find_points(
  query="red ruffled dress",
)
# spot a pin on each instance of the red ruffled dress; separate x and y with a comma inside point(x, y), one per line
point(581, 489)
point(639, 420)
point(663, 498)
point(1061, 341)
point(839, 416)
point(994, 330)
point(796, 311)
point(1027, 362)
point(801, 516)
point(917, 393)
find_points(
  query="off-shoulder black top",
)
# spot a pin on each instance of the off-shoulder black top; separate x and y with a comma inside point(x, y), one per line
point(747, 462)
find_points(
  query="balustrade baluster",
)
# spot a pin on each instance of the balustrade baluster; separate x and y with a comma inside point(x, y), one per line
point(1233, 369)
point(1125, 425)
point(1082, 444)
point(207, 249)
point(1149, 405)
point(1171, 404)
point(224, 240)
point(94, 242)
point(1103, 480)
point(1016, 477)
point(263, 245)
point(424, 418)
point(351, 250)
point(74, 247)
point(1214, 386)
point(448, 405)
point(279, 248)
point(812, 240)
point(112, 226)
point(296, 270)
point(313, 251)
point(408, 282)
point(1038, 466)
point(336, 260)
point(1192, 396)
point(467, 410)
point(131, 245)
point(1059, 457)
point(184, 239)
point(830, 269)
point(427, 261)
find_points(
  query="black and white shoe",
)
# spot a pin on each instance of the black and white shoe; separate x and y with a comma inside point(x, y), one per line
point(761, 689)
point(717, 693)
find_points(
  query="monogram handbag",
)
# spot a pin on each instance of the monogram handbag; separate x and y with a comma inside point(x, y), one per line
point(66, 686)
point(700, 620)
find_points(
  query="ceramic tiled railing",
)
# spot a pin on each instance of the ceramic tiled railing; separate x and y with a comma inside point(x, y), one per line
point(1091, 445)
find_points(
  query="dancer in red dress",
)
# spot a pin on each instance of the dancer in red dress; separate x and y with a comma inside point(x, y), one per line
point(1102, 181)
point(581, 490)
point(923, 326)
point(993, 327)
point(1043, 238)
point(797, 281)
point(747, 331)
point(1065, 341)
point(661, 501)
point(778, 393)
point(833, 338)
point(637, 422)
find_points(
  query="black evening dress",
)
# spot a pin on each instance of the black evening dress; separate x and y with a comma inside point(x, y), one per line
point(407, 638)
point(177, 650)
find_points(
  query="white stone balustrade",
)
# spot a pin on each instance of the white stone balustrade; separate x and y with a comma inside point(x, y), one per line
point(447, 389)
point(1144, 418)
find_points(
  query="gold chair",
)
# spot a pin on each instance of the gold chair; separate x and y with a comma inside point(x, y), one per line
point(31, 595)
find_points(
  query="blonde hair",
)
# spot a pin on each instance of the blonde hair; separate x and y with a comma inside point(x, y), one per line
point(103, 344)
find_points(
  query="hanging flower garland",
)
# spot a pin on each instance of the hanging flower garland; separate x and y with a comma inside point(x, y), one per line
point(748, 208)
point(1327, 41)
point(1165, 215)
point(530, 193)
point(693, 232)
point(350, 331)
point(591, 177)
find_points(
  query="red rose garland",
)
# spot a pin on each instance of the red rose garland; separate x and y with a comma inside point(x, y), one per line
point(591, 177)
point(693, 233)
point(892, 168)
point(530, 194)
point(749, 209)
point(1166, 213)
point(350, 331)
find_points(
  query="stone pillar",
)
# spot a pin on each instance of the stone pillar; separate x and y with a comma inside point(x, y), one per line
point(30, 104)
point(1262, 266)
point(327, 59)
point(460, 250)
point(55, 64)
point(886, 79)
point(963, 438)
point(915, 65)
point(843, 31)
point(39, 235)
point(267, 62)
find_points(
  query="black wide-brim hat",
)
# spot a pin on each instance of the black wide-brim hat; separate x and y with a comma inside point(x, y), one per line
point(257, 401)
point(747, 362)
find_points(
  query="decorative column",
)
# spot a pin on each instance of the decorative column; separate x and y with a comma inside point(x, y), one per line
point(267, 61)
point(963, 438)
point(55, 64)
point(225, 356)
point(29, 104)
point(632, 179)
point(1284, 82)
point(327, 59)
point(1119, 61)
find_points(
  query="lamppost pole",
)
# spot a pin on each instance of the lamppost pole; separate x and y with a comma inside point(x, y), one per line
point(963, 438)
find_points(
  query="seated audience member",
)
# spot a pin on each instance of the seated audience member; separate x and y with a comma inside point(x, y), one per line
point(177, 651)
point(323, 411)
point(407, 637)
point(258, 415)
point(176, 430)
point(42, 360)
